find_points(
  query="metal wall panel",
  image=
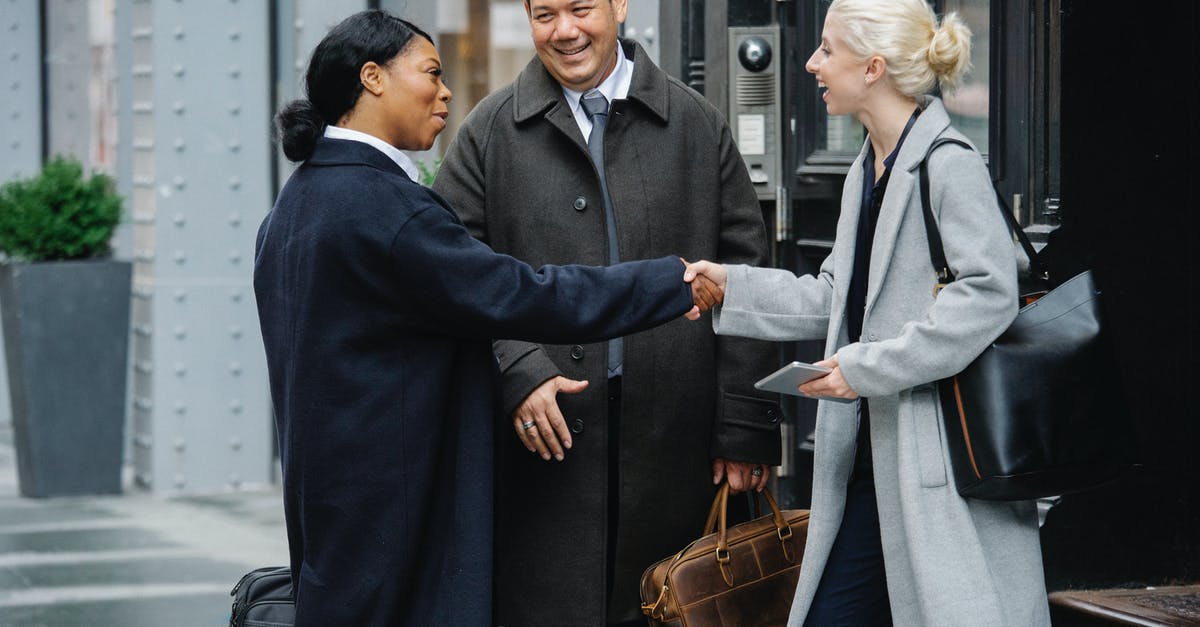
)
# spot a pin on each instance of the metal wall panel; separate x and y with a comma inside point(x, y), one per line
point(200, 154)
point(20, 90)
point(21, 112)
point(68, 70)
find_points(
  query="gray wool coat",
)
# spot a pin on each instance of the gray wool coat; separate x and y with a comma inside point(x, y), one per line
point(949, 560)
point(519, 175)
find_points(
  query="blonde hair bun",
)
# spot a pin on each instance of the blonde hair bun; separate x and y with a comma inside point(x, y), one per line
point(919, 51)
point(949, 52)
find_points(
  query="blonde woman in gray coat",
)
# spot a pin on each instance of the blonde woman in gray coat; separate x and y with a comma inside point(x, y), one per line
point(890, 540)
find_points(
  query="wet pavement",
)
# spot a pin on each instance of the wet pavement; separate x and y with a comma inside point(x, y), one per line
point(131, 560)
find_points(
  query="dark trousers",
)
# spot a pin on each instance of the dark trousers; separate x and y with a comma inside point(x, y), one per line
point(853, 588)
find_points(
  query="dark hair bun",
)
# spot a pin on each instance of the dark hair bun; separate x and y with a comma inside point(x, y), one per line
point(300, 125)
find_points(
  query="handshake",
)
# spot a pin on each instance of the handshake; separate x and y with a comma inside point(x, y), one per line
point(708, 286)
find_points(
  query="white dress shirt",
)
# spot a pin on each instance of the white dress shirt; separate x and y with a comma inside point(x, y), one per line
point(615, 87)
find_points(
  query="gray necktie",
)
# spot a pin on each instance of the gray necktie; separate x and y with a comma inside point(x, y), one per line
point(595, 105)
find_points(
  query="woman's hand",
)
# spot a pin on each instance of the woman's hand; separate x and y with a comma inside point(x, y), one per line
point(831, 385)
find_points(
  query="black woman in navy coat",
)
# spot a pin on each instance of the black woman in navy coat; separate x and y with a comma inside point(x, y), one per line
point(378, 309)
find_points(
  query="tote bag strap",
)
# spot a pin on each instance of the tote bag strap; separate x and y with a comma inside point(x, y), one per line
point(937, 254)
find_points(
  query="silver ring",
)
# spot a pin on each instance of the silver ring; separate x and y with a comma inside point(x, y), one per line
point(757, 472)
point(527, 425)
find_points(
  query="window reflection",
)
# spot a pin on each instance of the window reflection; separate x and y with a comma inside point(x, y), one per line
point(968, 105)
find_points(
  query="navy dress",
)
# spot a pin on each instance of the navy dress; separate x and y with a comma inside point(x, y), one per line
point(378, 310)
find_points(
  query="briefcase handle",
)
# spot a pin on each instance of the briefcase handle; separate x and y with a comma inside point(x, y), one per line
point(717, 516)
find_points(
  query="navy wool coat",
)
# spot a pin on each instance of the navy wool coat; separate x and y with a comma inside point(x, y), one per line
point(378, 309)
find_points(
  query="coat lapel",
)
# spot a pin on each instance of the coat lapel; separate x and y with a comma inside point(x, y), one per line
point(901, 188)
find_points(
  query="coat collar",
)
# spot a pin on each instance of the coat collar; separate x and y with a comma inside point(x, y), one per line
point(331, 151)
point(536, 92)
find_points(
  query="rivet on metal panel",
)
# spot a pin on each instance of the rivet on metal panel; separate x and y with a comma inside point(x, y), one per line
point(234, 34)
point(300, 64)
point(178, 32)
point(14, 56)
point(180, 295)
point(235, 220)
point(180, 481)
point(235, 183)
point(143, 330)
point(142, 440)
point(16, 115)
point(179, 144)
point(234, 108)
point(235, 480)
point(235, 257)
point(235, 443)
point(144, 479)
point(178, 107)
point(180, 408)
point(143, 366)
point(179, 183)
point(235, 368)
point(180, 369)
point(180, 445)
point(235, 332)
point(177, 70)
point(15, 85)
point(180, 257)
point(180, 332)
point(299, 24)
point(235, 71)
point(234, 145)
point(16, 144)
point(235, 406)
point(179, 220)
point(235, 296)
point(15, 26)
point(143, 403)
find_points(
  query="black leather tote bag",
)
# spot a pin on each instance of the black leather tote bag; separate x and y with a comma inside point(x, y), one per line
point(1033, 415)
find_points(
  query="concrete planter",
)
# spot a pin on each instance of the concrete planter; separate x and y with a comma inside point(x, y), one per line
point(66, 336)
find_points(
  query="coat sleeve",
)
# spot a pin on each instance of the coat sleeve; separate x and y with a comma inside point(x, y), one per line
point(460, 179)
point(463, 288)
point(970, 312)
point(747, 426)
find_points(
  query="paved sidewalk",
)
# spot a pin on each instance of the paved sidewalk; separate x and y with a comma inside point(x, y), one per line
point(130, 560)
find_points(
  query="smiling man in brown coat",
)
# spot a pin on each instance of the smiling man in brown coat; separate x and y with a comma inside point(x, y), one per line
point(641, 428)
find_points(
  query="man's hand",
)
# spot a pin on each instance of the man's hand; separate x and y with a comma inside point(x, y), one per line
point(708, 286)
point(742, 476)
point(538, 421)
point(832, 385)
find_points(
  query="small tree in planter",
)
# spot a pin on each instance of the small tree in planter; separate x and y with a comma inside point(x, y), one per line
point(65, 308)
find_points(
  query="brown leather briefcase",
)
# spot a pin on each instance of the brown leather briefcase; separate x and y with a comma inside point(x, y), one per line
point(744, 575)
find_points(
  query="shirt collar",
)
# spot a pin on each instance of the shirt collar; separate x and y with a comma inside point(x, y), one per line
point(615, 87)
point(393, 153)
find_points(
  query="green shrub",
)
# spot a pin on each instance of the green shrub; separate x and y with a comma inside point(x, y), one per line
point(58, 215)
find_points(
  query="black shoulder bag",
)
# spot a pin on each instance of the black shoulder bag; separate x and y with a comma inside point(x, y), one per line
point(1028, 418)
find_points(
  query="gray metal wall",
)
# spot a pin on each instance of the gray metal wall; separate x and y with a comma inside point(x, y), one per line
point(20, 90)
point(200, 154)
point(21, 112)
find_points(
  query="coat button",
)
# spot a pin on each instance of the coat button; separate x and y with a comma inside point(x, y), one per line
point(576, 352)
point(872, 337)
point(773, 416)
point(577, 426)
point(580, 204)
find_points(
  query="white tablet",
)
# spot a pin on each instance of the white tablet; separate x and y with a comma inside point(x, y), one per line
point(788, 379)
